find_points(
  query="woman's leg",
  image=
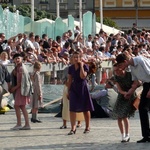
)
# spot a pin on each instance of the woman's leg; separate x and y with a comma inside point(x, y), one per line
point(65, 123)
point(64, 126)
point(18, 115)
point(87, 117)
point(73, 120)
point(25, 114)
point(78, 124)
point(126, 125)
point(120, 125)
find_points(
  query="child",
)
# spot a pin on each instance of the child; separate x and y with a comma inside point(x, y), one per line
point(36, 101)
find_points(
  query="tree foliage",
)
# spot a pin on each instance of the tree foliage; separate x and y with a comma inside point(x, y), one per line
point(25, 10)
point(108, 22)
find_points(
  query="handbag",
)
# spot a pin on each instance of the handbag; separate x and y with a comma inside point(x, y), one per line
point(136, 103)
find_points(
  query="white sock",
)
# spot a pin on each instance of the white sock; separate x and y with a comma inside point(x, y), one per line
point(123, 136)
point(127, 135)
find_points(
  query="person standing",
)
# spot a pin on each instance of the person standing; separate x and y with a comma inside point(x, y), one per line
point(36, 100)
point(123, 108)
point(140, 70)
point(80, 100)
point(21, 89)
point(65, 104)
point(4, 76)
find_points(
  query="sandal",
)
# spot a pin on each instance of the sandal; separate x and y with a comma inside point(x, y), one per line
point(86, 131)
point(72, 132)
point(79, 125)
point(63, 127)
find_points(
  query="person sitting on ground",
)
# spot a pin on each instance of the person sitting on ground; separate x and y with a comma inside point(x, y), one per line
point(104, 101)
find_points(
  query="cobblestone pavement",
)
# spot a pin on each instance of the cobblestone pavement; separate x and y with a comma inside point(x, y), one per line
point(104, 135)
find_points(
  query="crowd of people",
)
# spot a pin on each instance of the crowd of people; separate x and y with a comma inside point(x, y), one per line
point(130, 56)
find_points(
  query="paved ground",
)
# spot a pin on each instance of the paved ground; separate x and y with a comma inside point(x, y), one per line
point(104, 135)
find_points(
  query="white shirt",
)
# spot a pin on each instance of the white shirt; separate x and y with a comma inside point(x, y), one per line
point(28, 43)
point(101, 40)
point(6, 62)
point(141, 69)
point(89, 44)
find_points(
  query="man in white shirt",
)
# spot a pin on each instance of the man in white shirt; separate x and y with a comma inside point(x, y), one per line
point(29, 42)
point(89, 41)
point(140, 70)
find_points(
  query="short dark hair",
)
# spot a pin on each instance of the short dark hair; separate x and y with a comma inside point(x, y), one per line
point(17, 55)
point(121, 58)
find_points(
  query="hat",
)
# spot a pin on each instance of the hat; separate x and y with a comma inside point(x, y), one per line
point(17, 55)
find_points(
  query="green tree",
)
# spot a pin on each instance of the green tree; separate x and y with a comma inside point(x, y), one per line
point(108, 22)
point(25, 10)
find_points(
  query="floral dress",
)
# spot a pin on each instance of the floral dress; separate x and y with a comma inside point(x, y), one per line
point(124, 107)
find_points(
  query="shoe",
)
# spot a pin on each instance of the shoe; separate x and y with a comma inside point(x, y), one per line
point(35, 120)
point(63, 127)
point(86, 131)
point(16, 128)
point(38, 121)
point(79, 125)
point(144, 140)
point(32, 120)
point(72, 132)
point(126, 139)
point(25, 128)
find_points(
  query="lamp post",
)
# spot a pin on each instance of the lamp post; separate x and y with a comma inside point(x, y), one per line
point(101, 13)
point(136, 8)
point(57, 8)
point(80, 14)
point(32, 10)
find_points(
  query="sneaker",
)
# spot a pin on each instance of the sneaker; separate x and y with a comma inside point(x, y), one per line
point(16, 127)
point(126, 139)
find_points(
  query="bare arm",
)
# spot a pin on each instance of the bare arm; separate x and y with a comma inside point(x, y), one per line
point(134, 86)
point(83, 73)
point(69, 81)
point(120, 90)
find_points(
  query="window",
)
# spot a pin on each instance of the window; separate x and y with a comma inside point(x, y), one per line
point(83, 1)
point(44, 7)
point(63, 6)
point(26, 1)
point(144, 3)
point(128, 3)
point(63, 1)
point(110, 3)
point(77, 6)
point(43, 1)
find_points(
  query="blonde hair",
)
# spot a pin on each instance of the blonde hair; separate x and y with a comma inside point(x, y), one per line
point(37, 65)
point(3, 53)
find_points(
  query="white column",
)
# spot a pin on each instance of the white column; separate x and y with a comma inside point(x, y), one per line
point(57, 8)
point(80, 14)
point(32, 10)
point(101, 13)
